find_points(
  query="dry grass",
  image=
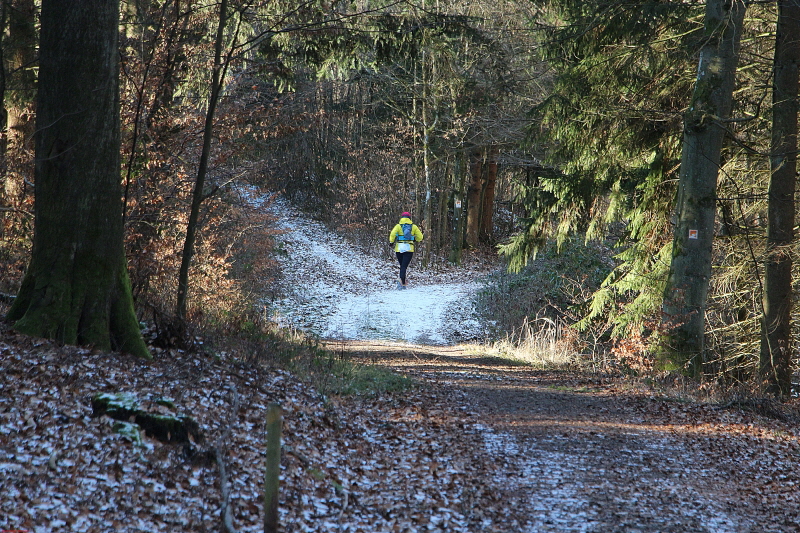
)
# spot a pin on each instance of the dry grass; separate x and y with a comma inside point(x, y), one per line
point(541, 342)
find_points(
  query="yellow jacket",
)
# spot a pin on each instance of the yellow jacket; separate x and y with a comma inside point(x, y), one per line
point(397, 231)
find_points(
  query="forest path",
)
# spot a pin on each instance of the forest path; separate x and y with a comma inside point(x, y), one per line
point(567, 451)
point(576, 452)
point(338, 291)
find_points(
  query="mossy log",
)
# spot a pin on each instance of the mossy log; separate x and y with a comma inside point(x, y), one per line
point(124, 406)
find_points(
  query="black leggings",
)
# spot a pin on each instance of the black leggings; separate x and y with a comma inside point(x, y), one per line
point(404, 258)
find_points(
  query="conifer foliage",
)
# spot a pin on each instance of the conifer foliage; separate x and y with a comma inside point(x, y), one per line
point(610, 134)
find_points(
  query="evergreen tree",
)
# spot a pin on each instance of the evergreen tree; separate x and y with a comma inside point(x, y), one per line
point(609, 136)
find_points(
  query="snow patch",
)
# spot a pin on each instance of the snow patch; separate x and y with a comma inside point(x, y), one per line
point(338, 292)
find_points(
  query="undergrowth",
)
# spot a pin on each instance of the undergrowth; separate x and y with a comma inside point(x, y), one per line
point(541, 343)
point(531, 313)
point(254, 339)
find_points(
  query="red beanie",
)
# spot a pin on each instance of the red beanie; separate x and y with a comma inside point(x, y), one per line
point(406, 214)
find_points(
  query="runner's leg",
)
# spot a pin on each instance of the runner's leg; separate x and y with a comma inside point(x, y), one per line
point(402, 270)
point(405, 259)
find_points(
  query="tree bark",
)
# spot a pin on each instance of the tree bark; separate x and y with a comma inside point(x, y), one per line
point(20, 52)
point(18, 55)
point(3, 110)
point(76, 289)
point(686, 292)
point(458, 209)
point(474, 197)
point(776, 330)
point(487, 199)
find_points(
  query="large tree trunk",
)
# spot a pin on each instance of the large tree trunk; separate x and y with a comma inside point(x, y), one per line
point(776, 332)
point(76, 289)
point(686, 291)
point(427, 221)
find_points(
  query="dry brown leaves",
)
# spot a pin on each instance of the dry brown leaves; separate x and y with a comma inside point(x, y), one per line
point(373, 464)
point(521, 451)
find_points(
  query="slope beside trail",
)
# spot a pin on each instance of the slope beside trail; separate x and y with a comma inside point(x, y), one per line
point(567, 452)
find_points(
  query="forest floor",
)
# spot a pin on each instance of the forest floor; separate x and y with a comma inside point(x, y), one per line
point(476, 444)
point(575, 451)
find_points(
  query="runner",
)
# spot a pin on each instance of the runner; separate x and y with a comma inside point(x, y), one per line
point(404, 235)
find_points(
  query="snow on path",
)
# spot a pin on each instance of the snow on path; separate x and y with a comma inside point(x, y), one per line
point(338, 292)
point(586, 486)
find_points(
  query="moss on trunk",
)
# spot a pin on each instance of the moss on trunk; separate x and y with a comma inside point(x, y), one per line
point(76, 289)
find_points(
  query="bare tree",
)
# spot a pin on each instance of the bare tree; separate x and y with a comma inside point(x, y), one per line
point(217, 76)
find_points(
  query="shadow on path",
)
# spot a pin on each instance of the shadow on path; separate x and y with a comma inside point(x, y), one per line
point(580, 452)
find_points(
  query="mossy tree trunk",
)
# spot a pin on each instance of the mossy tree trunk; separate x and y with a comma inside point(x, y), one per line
point(776, 329)
point(686, 292)
point(76, 289)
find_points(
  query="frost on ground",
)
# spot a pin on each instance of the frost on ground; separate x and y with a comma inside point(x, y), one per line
point(585, 453)
point(571, 490)
point(597, 480)
point(338, 292)
point(369, 465)
point(475, 446)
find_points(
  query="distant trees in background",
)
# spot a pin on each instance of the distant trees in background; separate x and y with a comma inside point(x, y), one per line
point(412, 115)
point(357, 111)
point(556, 121)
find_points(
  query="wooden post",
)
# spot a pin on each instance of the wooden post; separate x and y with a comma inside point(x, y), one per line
point(273, 468)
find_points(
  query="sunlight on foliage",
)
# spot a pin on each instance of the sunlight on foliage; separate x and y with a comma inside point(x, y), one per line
point(542, 343)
